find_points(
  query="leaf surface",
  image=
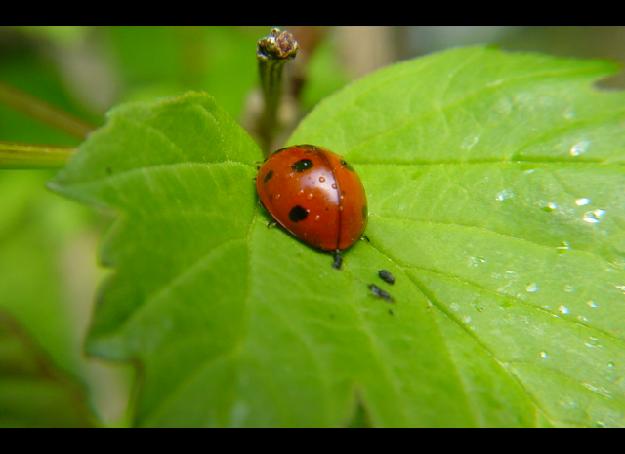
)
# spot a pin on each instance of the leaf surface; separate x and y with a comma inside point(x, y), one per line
point(495, 195)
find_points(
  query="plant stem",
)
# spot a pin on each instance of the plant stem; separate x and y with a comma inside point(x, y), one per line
point(25, 156)
point(272, 53)
point(43, 111)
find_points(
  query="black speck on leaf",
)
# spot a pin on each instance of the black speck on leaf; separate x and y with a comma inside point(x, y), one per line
point(387, 276)
point(377, 291)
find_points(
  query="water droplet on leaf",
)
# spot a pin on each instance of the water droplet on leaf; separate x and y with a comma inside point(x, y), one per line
point(504, 195)
point(564, 246)
point(579, 148)
point(550, 206)
point(593, 217)
point(531, 288)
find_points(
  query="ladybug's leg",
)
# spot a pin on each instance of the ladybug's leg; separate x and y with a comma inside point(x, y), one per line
point(338, 260)
point(366, 238)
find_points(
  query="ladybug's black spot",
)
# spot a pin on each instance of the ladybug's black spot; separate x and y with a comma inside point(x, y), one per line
point(365, 211)
point(346, 165)
point(302, 164)
point(298, 213)
point(268, 176)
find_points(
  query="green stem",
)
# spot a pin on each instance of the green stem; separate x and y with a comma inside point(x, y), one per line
point(43, 111)
point(24, 156)
point(272, 53)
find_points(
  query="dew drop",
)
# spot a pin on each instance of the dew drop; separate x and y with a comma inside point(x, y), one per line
point(563, 310)
point(333, 185)
point(309, 196)
point(568, 288)
point(454, 307)
point(469, 142)
point(618, 264)
point(340, 207)
point(543, 355)
point(593, 342)
point(592, 304)
point(277, 196)
point(579, 148)
point(476, 261)
point(596, 389)
point(317, 217)
point(581, 318)
point(531, 288)
point(550, 206)
point(564, 246)
point(322, 180)
point(620, 287)
point(610, 365)
point(467, 319)
point(593, 217)
point(581, 202)
point(504, 195)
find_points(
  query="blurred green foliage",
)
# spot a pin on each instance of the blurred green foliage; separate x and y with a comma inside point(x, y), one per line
point(41, 369)
point(163, 61)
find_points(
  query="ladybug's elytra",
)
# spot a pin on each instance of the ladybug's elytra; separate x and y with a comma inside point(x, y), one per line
point(315, 195)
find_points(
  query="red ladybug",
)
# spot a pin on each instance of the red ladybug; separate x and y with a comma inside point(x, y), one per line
point(315, 195)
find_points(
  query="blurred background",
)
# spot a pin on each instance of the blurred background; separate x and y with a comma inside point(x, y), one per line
point(58, 82)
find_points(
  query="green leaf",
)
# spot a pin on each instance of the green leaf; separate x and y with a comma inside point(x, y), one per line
point(494, 183)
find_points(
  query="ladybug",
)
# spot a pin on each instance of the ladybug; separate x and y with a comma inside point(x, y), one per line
point(315, 195)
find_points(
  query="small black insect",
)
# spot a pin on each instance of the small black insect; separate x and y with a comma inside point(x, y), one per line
point(386, 276)
point(338, 260)
point(377, 291)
